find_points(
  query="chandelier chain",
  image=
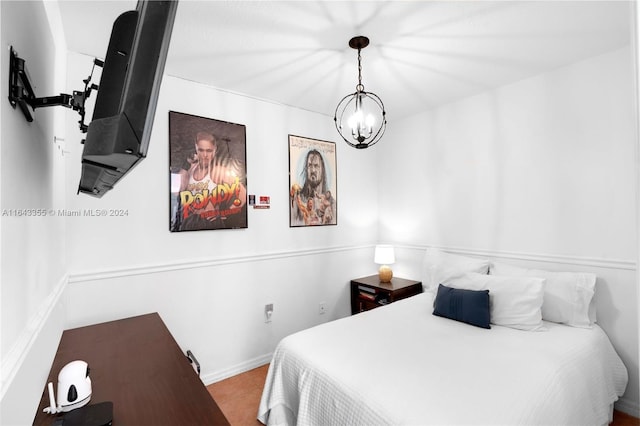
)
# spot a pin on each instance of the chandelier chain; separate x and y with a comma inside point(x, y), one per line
point(359, 87)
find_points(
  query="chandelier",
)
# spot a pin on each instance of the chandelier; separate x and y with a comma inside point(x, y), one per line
point(360, 117)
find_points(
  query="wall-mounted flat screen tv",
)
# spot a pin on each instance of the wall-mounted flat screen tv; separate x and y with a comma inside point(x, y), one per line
point(118, 134)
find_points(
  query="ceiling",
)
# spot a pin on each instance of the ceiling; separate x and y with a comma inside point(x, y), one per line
point(422, 53)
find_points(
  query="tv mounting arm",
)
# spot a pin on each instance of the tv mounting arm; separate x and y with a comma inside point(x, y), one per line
point(21, 91)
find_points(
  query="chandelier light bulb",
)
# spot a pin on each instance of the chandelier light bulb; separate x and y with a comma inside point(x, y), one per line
point(354, 121)
point(370, 121)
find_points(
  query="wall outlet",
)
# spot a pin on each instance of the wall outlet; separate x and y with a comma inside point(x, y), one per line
point(322, 308)
point(268, 312)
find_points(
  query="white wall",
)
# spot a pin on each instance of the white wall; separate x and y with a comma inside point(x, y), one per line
point(32, 260)
point(143, 238)
point(210, 287)
point(539, 172)
point(636, 44)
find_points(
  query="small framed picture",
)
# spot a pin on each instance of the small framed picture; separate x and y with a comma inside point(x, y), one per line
point(312, 182)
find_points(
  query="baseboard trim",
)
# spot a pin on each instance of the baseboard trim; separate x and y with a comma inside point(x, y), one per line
point(234, 370)
point(627, 406)
point(534, 257)
point(205, 263)
point(14, 359)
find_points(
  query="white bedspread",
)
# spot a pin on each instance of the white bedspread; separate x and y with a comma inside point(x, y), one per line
point(401, 365)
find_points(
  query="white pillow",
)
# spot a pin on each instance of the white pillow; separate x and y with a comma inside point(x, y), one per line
point(438, 266)
point(568, 296)
point(514, 302)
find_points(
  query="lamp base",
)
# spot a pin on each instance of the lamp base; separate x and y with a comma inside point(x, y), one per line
point(385, 273)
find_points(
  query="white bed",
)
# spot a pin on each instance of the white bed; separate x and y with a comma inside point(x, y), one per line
point(401, 365)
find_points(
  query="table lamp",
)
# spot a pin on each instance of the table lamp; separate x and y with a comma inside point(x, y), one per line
point(384, 256)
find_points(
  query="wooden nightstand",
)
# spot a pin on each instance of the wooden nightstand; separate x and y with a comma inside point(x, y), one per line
point(369, 293)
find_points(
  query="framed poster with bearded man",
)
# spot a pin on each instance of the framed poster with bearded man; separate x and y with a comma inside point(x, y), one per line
point(312, 182)
point(207, 164)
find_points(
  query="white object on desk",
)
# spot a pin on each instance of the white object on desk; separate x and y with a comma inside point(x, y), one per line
point(74, 388)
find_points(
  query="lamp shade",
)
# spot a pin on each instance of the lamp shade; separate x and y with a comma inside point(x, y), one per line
point(384, 255)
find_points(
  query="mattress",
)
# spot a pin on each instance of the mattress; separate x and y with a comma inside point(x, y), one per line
point(401, 365)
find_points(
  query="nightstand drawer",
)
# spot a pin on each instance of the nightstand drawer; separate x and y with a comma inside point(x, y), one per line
point(369, 293)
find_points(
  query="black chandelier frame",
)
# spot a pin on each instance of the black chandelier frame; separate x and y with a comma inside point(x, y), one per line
point(353, 99)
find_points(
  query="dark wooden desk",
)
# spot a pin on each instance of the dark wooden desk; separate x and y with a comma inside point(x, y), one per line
point(137, 364)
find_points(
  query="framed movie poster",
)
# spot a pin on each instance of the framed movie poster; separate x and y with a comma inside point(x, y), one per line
point(207, 164)
point(312, 182)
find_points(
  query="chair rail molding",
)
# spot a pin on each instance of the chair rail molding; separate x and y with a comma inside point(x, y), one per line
point(534, 257)
point(206, 263)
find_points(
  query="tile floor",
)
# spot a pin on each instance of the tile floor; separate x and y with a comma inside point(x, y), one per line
point(239, 396)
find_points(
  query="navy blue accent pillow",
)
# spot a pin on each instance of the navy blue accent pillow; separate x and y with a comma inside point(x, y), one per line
point(469, 306)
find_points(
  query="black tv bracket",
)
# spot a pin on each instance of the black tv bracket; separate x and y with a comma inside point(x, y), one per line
point(21, 91)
